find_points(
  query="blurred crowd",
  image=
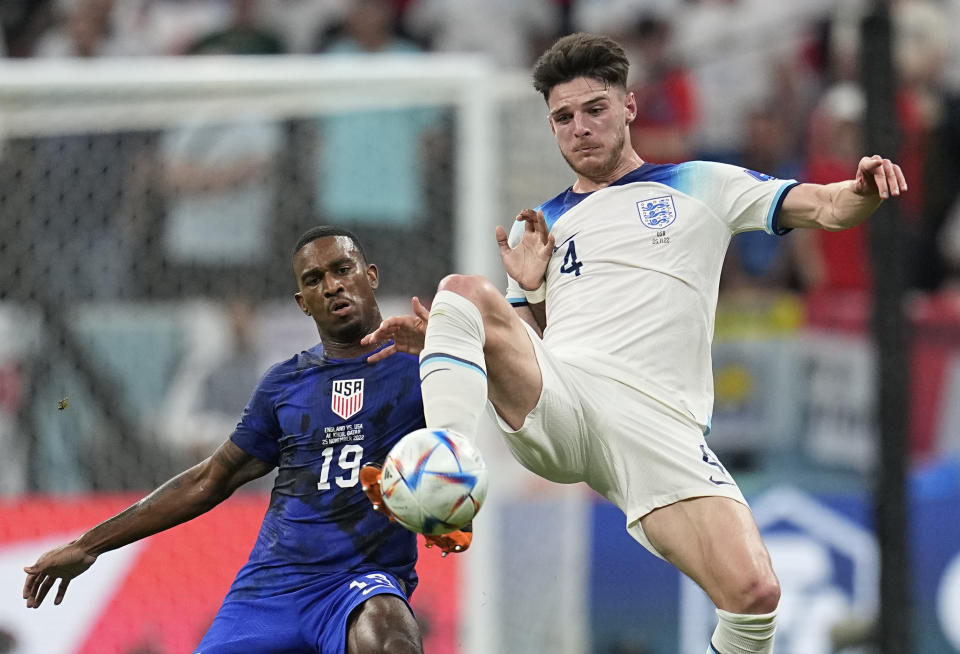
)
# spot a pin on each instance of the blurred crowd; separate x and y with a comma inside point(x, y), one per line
point(775, 87)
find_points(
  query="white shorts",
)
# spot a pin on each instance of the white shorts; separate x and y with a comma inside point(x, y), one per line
point(637, 452)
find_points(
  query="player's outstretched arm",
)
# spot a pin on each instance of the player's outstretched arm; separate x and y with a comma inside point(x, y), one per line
point(527, 262)
point(846, 204)
point(182, 498)
point(406, 332)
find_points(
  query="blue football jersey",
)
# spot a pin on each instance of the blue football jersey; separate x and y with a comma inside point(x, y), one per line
point(319, 419)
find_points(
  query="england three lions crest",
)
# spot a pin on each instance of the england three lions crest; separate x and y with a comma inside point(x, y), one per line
point(657, 213)
point(347, 397)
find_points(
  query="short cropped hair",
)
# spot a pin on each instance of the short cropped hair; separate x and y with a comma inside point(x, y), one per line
point(323, 231)
point(581, 55)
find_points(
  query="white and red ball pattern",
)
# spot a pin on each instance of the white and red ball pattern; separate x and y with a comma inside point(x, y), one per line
point(434, 481)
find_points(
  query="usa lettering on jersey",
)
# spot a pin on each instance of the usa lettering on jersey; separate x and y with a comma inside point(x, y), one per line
point(347, 397)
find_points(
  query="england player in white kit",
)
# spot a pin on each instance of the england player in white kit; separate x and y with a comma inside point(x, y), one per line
point(597, 364)
point(631, 292)
point(652, 243)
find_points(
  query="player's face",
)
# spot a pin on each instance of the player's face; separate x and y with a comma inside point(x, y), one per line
point(590, 119)
point(337, 290)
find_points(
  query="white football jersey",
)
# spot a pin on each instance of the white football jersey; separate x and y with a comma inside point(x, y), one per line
point(633, 281)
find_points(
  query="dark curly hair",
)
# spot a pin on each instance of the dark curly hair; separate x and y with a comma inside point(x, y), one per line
point(580, 55)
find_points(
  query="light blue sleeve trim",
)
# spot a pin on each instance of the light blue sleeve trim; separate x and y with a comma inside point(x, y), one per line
point(775, 209)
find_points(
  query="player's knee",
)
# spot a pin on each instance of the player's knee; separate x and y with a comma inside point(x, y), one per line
point(395, 643)
point(761, 594)
point(381, 625)
point(465, 285)
point(401, 644)
point(475, 288)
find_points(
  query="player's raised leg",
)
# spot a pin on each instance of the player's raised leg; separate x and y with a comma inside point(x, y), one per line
point(475, 347)
point(715, 542)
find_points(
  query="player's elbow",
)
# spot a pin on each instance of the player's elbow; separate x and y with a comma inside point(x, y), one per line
point(207, 488)
point(209, 497)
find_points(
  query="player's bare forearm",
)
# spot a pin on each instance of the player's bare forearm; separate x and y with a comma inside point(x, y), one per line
point(165, 507)
point(182, 498)
point(176, 501)
point(186, 496)
point(832, 207)
point(846, 204)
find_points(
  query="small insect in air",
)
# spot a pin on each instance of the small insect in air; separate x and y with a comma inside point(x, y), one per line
point(63, 404)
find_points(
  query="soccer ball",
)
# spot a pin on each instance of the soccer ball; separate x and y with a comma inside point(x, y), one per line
point(433, 481)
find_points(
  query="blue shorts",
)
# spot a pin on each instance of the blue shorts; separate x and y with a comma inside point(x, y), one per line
point(311, 619)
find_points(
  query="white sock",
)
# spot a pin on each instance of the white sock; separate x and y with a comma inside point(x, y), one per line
point(739, 633)
point(453, 373)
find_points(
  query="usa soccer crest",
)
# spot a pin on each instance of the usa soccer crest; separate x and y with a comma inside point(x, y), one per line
point(347, 397)
point(657, 213)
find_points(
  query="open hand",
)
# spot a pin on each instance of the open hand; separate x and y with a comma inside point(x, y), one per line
point(879, 176)
point(527, 262)
point(63, 563)
point(406, 332)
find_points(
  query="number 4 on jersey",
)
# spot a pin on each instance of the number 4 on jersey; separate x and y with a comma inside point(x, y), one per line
point(570, 263)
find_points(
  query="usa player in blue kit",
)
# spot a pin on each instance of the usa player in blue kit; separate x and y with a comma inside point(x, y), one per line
point(328, 573)
point(597, 363)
